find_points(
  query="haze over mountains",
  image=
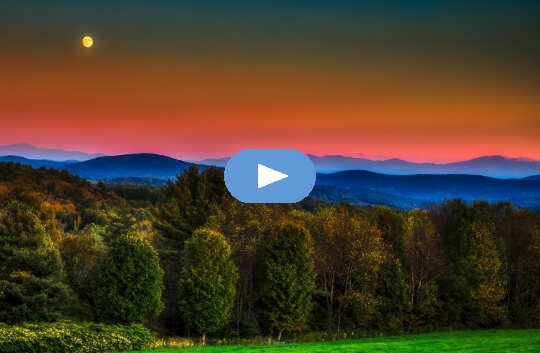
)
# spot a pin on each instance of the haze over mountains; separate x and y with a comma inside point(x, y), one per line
point(36, 163)
point(52, 154)
point(492, 166)
point(419, 185)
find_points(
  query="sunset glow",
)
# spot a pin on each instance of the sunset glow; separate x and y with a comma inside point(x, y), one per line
point(190, 88)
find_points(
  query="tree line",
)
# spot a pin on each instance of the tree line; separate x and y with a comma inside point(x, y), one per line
point(189, 259)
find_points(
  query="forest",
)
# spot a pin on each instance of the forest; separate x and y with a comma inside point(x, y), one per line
point(188, 260)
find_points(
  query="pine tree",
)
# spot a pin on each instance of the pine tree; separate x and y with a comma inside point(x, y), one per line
point(193, 198)
point(30, 265)
point(208, 281)
point(289, 278)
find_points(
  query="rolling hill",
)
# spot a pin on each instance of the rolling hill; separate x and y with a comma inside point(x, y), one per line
point(408, 191)
point(354, 186)
point(142, 165)
point(36, 163)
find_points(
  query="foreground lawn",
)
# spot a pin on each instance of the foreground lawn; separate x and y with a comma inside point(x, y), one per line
point(461, 341)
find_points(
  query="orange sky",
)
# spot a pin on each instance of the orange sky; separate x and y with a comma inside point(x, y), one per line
point(125, 96)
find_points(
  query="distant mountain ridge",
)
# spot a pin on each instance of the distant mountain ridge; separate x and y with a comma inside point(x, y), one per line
point(36, 163)
point(140, 165)
point(420, 190)
point(32, 152)
point(354, 186)
point(492, 166)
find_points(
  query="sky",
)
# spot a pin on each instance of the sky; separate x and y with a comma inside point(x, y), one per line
point(432, 81)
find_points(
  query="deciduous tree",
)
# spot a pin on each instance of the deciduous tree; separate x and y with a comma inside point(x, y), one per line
point(289, 278)
point(207, 285)
point(130, 282)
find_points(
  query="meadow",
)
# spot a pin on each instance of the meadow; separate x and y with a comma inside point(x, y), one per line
point(459, 341)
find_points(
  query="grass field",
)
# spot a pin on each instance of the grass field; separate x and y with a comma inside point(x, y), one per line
point(461, 341)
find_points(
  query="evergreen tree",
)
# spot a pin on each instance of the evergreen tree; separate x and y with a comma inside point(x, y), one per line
point(130, 282)
point(208, 281)
point(30, 265)
point(192, 199)
point(289, 278)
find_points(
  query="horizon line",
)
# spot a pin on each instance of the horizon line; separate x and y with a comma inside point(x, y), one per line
point(188, 159)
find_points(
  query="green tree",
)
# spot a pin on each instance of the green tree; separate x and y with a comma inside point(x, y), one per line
point(81, 255)
point(521, 232)
point(130, 282)
point(208, 281)
point(392, 224)
point(30, 265)
point(120, 223)
point(289, 278)
point(245, 226)
point(393, 306)
point(192, 199)
point(475, 284)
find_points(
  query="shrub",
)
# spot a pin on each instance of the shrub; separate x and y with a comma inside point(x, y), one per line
point(72, 337)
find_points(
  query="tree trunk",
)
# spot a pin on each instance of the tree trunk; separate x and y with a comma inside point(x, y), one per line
point(279, 335)
point(204, 339)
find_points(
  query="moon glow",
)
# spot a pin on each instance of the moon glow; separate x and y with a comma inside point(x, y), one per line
point(87, 41)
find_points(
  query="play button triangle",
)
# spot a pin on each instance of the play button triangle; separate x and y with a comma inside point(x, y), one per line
point(267, 176)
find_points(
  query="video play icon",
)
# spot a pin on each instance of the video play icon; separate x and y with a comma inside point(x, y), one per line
point(267, 176)
point(270, 176)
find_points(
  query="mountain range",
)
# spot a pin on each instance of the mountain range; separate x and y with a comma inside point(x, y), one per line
point(492, 166)
point(138, 166)
point(421, 190)
point(36, 163)
point(355, 186)
point(51, 154)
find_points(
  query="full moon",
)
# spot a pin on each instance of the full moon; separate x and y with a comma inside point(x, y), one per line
point(87, 41)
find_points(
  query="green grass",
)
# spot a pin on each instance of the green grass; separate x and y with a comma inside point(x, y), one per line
point(460, 341)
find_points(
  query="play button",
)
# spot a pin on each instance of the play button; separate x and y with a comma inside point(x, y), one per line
point(269, 176)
